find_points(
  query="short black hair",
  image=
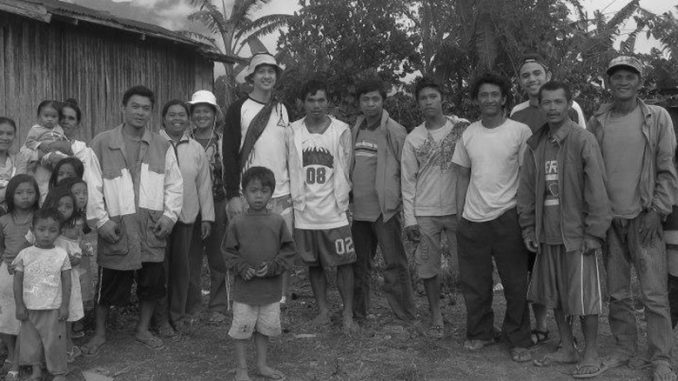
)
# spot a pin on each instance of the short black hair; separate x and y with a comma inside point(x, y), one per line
point(425, 82)
point(73, 161)
point(533, 58)
point(174, 102)
point(311, 87)
point(72, 104)
point(47, 213)
point(556, 85)
point(139, 90)
point(14, 183)
point(49, 103)
point(263, 174)
point(369, 86)
point(6, 120)
point(492, 79)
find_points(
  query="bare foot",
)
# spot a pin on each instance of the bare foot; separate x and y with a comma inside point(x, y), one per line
point(349, 326)
point(268, 372)
point(241, 374)
point(92, 347)
point(322, 319)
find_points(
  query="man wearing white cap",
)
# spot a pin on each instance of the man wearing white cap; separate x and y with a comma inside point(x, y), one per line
point(638, 144)
point(255, 135)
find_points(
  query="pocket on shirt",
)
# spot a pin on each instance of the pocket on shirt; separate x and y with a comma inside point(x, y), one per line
point(121, 246)
point(152, 241)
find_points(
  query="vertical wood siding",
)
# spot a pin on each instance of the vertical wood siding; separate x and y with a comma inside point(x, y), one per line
point(92, 64)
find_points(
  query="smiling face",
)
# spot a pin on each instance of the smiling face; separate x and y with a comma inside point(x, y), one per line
point(7, 136)
point(203, 116)
point(137, 112)
point(555, 105)
point(532, 77)
point(264, 77)
point(175, 121)
point(490, 99)
point(69, 122)
point(624, 84)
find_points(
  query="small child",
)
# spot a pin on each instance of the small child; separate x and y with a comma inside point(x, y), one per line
point(22, 201)
point(258, 248)
point(69, 167)
point(7, 167)
point(42, 291)
point(46, 131)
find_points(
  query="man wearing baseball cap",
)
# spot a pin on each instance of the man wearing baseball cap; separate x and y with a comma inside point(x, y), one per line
point(255, 135)
point(638, 144)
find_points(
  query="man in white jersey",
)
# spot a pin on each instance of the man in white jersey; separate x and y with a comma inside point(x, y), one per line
point(319, 160)
point(254, 135)
point(488, 158)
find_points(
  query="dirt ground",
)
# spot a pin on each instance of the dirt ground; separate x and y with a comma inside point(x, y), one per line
point(384, 350)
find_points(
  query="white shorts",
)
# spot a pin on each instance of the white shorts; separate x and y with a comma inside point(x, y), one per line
point(247, 319)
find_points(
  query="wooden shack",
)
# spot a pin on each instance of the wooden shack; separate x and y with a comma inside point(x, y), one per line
point(51, 49)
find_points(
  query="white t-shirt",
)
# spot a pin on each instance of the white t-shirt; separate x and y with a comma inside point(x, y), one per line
point(319, 152)
point(270, 150)
point(42, 276)
point(494, 156)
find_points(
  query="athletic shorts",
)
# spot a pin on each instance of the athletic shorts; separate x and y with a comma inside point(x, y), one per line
point(569, 281)
point(325, 248)
point(247, 318)
point(115, 286)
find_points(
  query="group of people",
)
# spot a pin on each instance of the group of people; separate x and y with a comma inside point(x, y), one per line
point(535, 192)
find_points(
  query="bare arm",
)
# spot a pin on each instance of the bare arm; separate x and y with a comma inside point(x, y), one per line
point(21, 311)
point(463, 179)
point(65, 294)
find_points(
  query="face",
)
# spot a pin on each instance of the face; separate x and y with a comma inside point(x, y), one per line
point(203, 116)
point(316, 104)
point(137, 112)
point(7, 135)
point(24, 196)
point(490, 99)
point(554, 105)
point(264, 77)
point(79, 191)
point(49, 117)
point(46, 231)
point(624, 84)
point(257, 195)
point(371, 104)
point(430, 102)
point(65, 207)
point(176, 120)
point(69, 122)
point(532, 77)
point(66, 171)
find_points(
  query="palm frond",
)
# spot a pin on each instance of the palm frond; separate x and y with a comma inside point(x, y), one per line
point(208, 9)
point(270, 22)
point(199, 37)
point(622, 15)
point(256, 46)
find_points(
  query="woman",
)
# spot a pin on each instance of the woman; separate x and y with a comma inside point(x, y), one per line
point(7, 163)
point(205, 115)
point(184, 294)
point(69, 119)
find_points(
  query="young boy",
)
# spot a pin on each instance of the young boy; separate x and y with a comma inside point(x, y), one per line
point(258, 248)
point(564, 213)
point(428, 186)
point(319, 158)
point(42, 291)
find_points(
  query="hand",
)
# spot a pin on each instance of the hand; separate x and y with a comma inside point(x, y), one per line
point(163, 227)
point(21, 313)
point(10, 268)
point(205, 229)
point(235, 207)
point(110, 232)
point(262, 271)
point(650, 227)
point(591, 245)
point(412, 232)
point(74, 260)
point(249, 273)
point(63, 312)
point(62, 146)
point(531, 242)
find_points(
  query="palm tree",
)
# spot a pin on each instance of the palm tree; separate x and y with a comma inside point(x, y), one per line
point(237, 30)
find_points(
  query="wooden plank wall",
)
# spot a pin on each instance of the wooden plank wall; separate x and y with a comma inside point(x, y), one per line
point(92, 64)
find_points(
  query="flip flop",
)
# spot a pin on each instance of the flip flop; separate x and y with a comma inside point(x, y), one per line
point(539, 336)
point(91, 350)
point(151, 342)
point(550, 360)
point(598, 369)
point(520, 355)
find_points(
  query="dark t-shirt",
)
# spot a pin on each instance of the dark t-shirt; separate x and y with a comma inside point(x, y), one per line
point(551, 221)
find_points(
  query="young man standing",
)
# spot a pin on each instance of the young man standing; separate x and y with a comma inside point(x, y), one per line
point(319, 161)
point(638, 145)
point(428, 187)
point(254, 135)
point(135, 196)
point(488, 157)
point(564, 213)
point(375, 174)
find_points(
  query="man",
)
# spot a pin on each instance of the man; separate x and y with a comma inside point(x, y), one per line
point(135, 196)
point(488, 157)
point(564, 213)
point(254, 135)
point(319, 159)
point(375, 174)
point(428, 187)
point(532, 74)
point(638, 145)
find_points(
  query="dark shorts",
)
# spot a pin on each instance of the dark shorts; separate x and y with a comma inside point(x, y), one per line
point(115, 286)
point(326, 248)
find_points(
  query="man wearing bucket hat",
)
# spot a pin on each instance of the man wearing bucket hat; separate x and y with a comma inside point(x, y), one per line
point(206, 116)
point(255, 135)
point(638, 144)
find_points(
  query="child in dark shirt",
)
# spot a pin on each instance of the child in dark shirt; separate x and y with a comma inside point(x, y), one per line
point(258, 248)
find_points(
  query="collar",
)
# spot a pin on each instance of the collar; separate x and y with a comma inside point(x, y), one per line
point(544, 134)
point(382, 124)
point(607, 107)
point(118, 141)
point(263, 212)
point(184, 138)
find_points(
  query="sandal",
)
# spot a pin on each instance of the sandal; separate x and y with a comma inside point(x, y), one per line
point(476, 345)
point(539, 336)
point(589, 370)
point(91, 350)
point(520, 354)
point(73, 354)
point(150, 341)
point(553, 359)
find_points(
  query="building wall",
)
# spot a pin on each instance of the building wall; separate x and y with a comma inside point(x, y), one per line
point(92, 64)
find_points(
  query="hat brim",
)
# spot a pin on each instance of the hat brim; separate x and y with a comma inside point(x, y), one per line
point(614, 68)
